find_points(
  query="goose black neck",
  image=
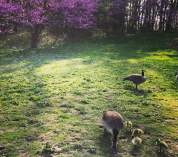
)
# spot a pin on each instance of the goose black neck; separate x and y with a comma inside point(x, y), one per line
point(142, 73)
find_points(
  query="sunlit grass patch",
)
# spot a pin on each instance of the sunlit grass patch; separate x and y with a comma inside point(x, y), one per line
point(133, 60)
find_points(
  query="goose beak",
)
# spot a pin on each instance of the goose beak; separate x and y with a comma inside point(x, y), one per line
point(114, 151)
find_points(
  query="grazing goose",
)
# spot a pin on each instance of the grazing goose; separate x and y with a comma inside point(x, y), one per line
point(113, 122)
point(136, 141)
point(176, 74)
point(137, 133)
point(162, 144)
point(136, 78)
point(128, 124)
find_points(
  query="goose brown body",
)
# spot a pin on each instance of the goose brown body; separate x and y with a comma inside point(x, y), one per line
point(136, 78)
point(113, 122)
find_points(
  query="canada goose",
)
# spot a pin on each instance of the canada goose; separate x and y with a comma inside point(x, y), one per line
point(137, 133)
point(176, 74)
point(136, 78)
point(136, 141)
point(162, 144)
point(128, 124)
point(113, 122)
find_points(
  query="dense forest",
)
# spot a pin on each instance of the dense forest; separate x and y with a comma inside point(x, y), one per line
point(81, 16)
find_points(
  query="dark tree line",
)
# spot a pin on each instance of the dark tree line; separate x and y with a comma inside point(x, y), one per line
point(137, 16)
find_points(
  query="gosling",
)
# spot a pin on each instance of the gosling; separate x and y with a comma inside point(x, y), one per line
point(137, 133)
point(162, 145)
point(128, 124)
point(113, 122)
point(136, 78)
point(136, 141)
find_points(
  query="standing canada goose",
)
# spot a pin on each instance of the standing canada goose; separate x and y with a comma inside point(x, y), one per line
point(176, 74)
point(137, 133)
point(113, 122)
point(128, 124)
point(162, 144)
point(136, 78)
point(136, 141)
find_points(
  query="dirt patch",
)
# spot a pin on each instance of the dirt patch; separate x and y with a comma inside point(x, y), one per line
point(172, 146)
point(84, 130)
point(41, 137)
point(51, 118)
point(88, 141)
point(1, 116)
point(170, 120)
point(50, 133)
point(98, 118)
point(1, 132)
point(73, 137)
point(110, 97)
point(74, 111)
point(9, 130)
point(78, 98)
point(140, 126)
point(22, 154)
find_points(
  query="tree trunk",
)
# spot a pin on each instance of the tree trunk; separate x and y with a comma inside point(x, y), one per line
point(161, 17)
point(35, 32)
point(169, 17)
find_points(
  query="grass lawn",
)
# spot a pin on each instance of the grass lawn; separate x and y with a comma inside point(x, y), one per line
point(52, 97)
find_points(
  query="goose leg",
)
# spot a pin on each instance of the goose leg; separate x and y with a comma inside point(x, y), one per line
point(136, 87)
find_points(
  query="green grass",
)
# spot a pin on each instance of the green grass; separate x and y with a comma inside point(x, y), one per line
point(52, 97)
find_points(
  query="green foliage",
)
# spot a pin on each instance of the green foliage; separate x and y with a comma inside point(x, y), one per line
point(40, 122)
point(24, 123)
point(48, 147)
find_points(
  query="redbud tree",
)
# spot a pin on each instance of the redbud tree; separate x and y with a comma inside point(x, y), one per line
point(38, 14)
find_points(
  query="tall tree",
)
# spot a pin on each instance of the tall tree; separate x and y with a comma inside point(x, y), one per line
point(117, 15)
point(37, 14)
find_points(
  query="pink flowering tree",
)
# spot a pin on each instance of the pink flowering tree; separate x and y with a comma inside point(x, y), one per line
point(38, 14)
point(6, 11)
point(80, 13)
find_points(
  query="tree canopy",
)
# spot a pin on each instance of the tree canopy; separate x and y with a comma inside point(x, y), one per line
point(113, 16)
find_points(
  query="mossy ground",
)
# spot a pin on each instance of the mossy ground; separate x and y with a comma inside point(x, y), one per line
point(52, 97)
